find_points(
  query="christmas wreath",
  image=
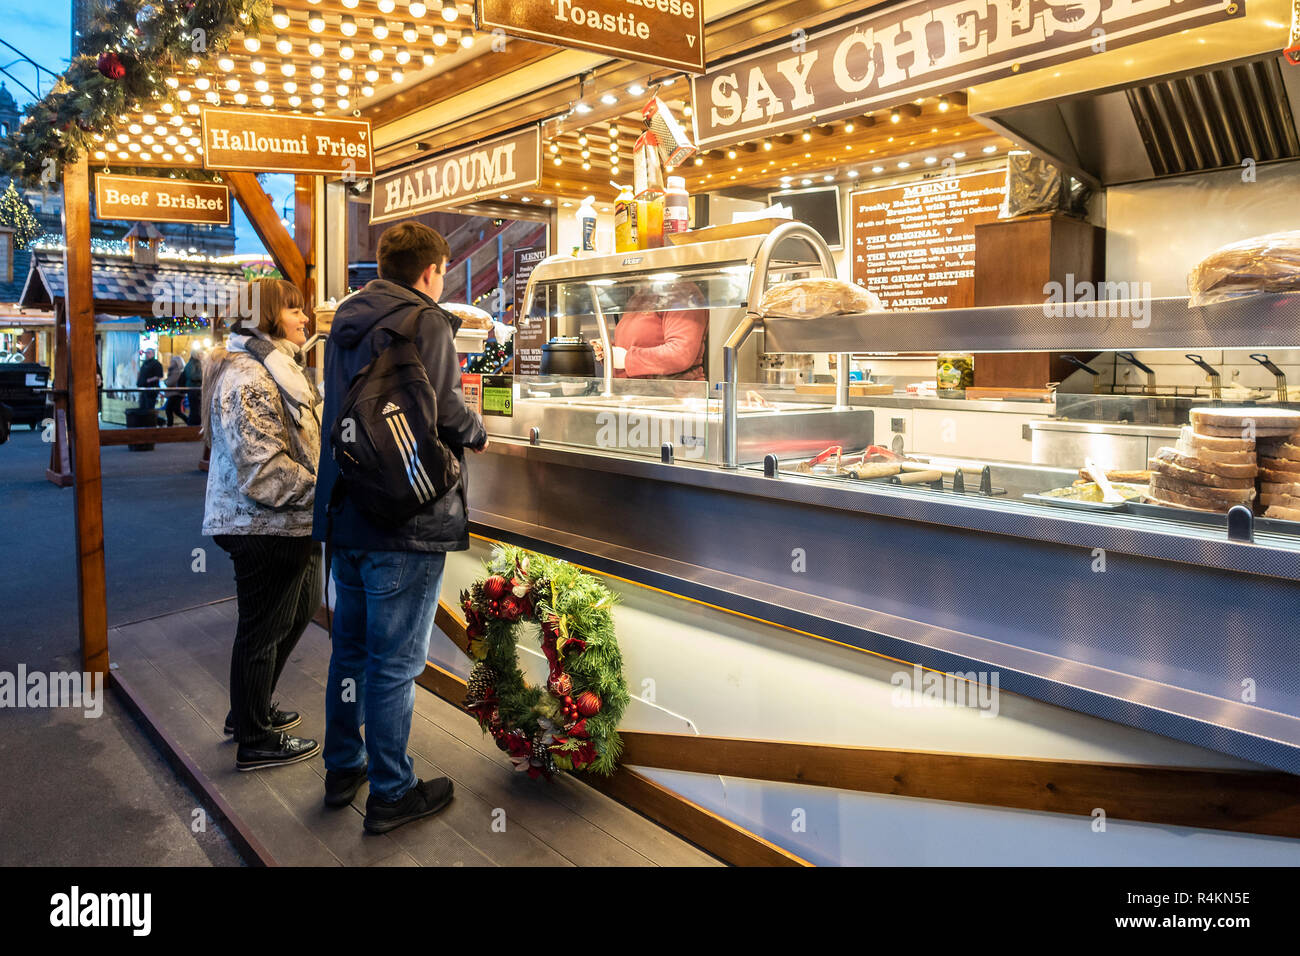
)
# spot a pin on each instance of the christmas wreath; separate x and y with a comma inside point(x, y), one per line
point(570, 724)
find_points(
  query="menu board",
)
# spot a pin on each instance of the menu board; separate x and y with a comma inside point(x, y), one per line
point(914, 244)
point(530, 330)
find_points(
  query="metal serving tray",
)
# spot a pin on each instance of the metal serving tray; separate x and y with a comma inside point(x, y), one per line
point(1214, 519)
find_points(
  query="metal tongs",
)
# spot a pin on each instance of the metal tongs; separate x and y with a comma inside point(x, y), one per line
point(1151, 375)
point(1216, 381)
point(1080, 364)
point(1278, 375)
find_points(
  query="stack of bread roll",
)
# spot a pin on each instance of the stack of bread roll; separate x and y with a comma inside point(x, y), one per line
point(1217, 464)
point(1279, 476)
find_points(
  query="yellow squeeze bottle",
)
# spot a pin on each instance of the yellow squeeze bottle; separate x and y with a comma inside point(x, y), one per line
point(625, 221)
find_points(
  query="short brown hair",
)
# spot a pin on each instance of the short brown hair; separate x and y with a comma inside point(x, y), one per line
point(272, 296)
point(407, 249)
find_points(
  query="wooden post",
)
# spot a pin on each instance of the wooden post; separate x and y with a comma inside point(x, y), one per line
point(79, 308)
point(304, 234)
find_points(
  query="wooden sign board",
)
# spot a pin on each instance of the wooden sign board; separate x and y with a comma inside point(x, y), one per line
point(506, 164)
point(286, 143)
point(919, 48)
point(913, 244)
point(666, 32)
point(146, 199)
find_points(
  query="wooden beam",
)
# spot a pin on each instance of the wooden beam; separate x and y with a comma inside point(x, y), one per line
point(266, 223)
point(1243, 801)
point(84, 419)
point(304, 219)
point(138, 436)
point(59, 471)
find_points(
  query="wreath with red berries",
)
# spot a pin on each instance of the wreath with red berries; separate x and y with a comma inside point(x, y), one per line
point(571, 722)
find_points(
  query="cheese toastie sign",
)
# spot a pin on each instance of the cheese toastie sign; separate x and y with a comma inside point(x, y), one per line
point(667, 32)
point(921, 48)
point(286, 143)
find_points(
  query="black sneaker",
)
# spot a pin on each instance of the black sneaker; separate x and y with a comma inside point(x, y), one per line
point(426, 798)
point(278, 750)
point(280, 720)
point(342, 785)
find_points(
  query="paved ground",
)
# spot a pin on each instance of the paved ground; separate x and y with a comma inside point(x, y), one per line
point(91, 791)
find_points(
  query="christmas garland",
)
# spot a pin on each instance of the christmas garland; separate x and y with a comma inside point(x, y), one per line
point(571, 723)
point(130, 46)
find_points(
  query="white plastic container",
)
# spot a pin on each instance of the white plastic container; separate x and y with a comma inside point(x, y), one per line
point(587, 224)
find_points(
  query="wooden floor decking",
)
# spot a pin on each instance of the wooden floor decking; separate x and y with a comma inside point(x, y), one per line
point(177, 668)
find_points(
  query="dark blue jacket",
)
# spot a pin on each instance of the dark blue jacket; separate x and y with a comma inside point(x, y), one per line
point(351, 346)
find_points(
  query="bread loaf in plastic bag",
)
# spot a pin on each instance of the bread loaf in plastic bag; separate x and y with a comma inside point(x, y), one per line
point(1269, 263)
point(809, 298)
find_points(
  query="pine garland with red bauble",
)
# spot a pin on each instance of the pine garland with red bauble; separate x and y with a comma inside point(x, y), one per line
point(570, 722)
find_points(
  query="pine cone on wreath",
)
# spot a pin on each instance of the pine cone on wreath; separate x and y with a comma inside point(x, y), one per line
point(481, 681)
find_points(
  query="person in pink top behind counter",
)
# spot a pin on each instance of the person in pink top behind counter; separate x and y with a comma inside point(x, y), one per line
point(661, 334)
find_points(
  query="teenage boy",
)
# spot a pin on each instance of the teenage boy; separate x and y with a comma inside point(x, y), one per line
point(387, 579)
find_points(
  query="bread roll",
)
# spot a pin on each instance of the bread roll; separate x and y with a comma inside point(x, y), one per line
point(1216, 473)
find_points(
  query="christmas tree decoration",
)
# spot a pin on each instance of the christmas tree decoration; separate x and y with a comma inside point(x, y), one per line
point(110, 65)
point(493, 357)
point(16, 213)
point(570, 723)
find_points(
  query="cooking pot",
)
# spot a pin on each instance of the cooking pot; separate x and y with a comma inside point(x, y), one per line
point(568, 355)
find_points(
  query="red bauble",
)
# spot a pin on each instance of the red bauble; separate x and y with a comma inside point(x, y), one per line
point(588, 703)
point(496, 587)
point(562, 685)
point(110, 64)
point(511, 609)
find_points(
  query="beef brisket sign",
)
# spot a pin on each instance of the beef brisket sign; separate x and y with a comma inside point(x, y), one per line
point(506, 164)
point(161, 200)
point(918, 48)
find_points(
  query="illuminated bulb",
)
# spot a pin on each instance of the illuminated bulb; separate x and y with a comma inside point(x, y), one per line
point(258, 66)
point(609, 99)
point(439, 35)
point(687, 111)
point(417, 8)
point(372, 74)
point(315, 47)
point(252, 44)
point(283, 46)
point(226, 63)
point(346, 51)
point(555, 147)
point(345, 73)
point(409, 33)
point(213, 97)
point(287, 68)
point(582, 139)
point(943, 104)
point(183, 95)
point(318, 102)
point(146, 138)
point(290, 86)
point(990, 149)
point(280, 17)
point(449, 10)
point(636, 89)
point(379, 28)
point(232, 84)
point(376, 53)
point(558, 161)
point(261, 86)
point(268, 99)
point(133, 147)
point(341, 89)
point(367, 91)
point(853, 174)
point(427, 56)
point(398, 75)
point(877, 169)
point(467, 39)
point(351, 4)
point(122, 137)
point(317, 70)
point(295, 101)
point(241, 98)
point(343, 103)
point(347, 25)
point(202, 83)
point(848, 127)
point(385, 6)
point(318, 88)
point(699, 161)
point(904, 165)
point(930, 160)
point(586, 165)
point(807, 136)
point(767, 145)
point(403, 56)
point(148, 119)
point(316, 22)
point(894, 116)
point(731, 154)
point(586, 154)
point(172, 82)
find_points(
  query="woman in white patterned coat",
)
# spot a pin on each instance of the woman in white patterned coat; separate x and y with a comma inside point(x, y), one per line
point(261, 415)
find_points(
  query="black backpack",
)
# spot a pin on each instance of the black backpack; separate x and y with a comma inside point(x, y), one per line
point(385, 438)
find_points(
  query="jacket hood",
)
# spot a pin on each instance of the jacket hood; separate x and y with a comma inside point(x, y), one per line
point(379, 299)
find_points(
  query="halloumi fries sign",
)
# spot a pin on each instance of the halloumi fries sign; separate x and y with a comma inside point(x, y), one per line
point(919, 48)
point(286, 143)
point(666, 32)
point(498, 166)
point(161, 200)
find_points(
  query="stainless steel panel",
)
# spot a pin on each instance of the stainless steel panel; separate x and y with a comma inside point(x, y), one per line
point(1260, 321)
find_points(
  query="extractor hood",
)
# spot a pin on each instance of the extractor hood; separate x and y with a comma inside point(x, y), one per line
point(1210, 119)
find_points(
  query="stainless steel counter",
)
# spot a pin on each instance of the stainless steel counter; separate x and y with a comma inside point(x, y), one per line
point(1139, 620)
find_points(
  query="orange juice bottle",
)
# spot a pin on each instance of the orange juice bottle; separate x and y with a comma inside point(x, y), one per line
point(650, 219)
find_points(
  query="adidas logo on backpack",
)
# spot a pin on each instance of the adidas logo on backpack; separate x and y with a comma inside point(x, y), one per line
point(389, 409)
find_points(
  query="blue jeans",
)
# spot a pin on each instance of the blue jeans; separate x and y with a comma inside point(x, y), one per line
point(384, 605)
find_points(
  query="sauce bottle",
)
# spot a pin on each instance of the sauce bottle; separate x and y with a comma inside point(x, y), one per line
point(650, 219)
point(587, 223)
point(625, 221)
point(676, 206)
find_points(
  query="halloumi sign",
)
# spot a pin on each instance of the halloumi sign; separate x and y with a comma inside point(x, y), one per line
point(498, 166)
point(666, 32)
point(919, 48)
